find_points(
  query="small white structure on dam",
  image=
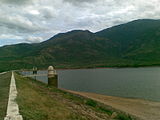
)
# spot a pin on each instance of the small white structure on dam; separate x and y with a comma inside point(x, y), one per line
point(52, 77)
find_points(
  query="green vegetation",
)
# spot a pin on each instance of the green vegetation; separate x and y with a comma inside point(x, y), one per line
point(123, 117)
point(4, 93)
point(133, 44)
point(103, 109)
point(99, 107)
point(91, 103)
point(37, 101)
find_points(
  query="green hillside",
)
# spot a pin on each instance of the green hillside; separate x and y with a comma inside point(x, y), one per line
point(136, 43)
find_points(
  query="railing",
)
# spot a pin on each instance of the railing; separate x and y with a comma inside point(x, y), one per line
point(51, 75)
point(35, 75)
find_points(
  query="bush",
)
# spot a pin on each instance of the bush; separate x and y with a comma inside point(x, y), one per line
point(91, 103)
point(123, 117)
point(109, 112)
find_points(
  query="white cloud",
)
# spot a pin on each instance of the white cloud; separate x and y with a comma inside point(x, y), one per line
point(34, 12)
point(33, 39)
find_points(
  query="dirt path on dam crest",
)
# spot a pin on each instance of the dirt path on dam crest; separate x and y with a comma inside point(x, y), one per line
point(144, 110)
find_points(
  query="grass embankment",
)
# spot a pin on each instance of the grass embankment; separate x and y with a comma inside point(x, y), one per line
point(4, 93)
point(37, 101)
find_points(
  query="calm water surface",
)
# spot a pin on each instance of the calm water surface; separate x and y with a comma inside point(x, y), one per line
point(141, 83)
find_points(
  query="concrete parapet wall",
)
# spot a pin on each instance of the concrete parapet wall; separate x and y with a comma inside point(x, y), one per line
point(13, 109)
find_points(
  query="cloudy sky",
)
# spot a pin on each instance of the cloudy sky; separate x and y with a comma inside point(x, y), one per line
point(34, 21)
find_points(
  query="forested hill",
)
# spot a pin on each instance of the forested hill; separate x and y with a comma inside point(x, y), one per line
point(136, 43)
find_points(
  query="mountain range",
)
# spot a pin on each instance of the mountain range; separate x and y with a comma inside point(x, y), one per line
point(133, 44)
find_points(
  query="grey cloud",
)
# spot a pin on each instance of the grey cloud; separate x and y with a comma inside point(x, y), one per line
point(72, 1)
point(19, 23)
point(48, 12)
point(16, 2)
point(78, 2)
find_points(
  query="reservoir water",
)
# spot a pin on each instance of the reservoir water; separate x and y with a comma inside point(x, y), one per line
point(143, 83)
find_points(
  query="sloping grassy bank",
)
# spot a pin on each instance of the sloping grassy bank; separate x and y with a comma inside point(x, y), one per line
point(4, 93)
point(37, 101)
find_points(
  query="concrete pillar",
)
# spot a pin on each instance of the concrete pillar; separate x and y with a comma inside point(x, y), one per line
point(52, 77)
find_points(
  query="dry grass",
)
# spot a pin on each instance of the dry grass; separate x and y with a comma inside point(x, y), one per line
point(37, 101)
